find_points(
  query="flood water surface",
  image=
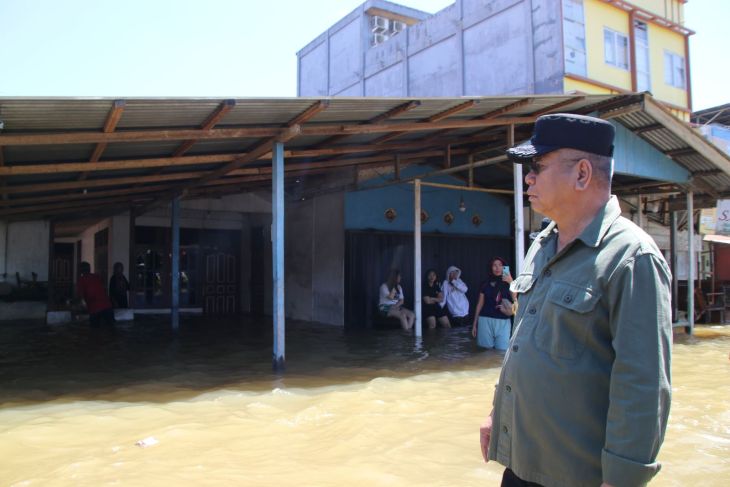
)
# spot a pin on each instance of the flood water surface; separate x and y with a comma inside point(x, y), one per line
point(366, 408)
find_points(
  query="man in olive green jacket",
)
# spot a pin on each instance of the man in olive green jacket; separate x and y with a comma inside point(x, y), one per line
point(584, 392)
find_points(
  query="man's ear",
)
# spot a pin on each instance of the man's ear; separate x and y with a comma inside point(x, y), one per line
point(585, 174)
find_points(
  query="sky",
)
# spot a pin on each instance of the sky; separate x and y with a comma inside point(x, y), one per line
point(225, 48)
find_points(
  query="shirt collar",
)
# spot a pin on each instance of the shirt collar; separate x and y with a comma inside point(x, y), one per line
point(593, 234)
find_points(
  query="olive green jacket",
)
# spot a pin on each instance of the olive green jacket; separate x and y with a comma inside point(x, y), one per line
point(584, 392)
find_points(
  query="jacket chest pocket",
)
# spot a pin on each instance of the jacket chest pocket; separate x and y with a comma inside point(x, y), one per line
point(566, 319)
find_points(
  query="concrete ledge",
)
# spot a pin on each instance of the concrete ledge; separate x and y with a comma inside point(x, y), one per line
point(123, 314)
point(58, 317)
point(23, 310)
point(167, 311)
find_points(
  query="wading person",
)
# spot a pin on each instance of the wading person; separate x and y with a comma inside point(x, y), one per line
point(492, 325)
point(455, 299)
point(391, 301)
point(432, 298)
point(584, 392)
point(91, 289)
point(119, 287)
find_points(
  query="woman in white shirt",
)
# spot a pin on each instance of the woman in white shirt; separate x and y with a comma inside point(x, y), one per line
point(391, 301)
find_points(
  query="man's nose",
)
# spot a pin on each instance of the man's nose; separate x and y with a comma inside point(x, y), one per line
point(530, 178)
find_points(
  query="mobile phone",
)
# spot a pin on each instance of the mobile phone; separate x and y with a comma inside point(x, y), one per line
point(505, 270)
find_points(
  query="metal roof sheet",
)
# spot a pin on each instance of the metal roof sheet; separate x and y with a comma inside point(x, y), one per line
point(79, 120)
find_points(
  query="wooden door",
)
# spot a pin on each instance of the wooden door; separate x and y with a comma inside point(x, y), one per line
point(220, 290)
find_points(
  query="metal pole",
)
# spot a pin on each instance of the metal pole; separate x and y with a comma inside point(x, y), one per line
point(519, 208)
point(691, 262)
point(277, 247)
point(673, 260)
point(175, 292)
point(417, 256)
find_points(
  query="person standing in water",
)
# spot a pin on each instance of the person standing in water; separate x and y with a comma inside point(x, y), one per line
point(119, 287)
point(492, 323)
point(90, 288)
point(584, 392)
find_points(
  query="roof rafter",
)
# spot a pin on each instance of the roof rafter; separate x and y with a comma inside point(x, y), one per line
point(432, 119)
point(112, 119)
point(216, 116)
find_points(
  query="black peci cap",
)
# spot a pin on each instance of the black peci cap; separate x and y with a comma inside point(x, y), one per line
point(566, 131)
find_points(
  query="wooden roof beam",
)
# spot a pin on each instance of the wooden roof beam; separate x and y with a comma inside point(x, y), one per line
point(81, 196)
point(432, 119)
point(556, 106)
point(393, 112)
point(647, 128)
point(216, 116)
point(488, 116)
point(112, 119)
point(248, 132)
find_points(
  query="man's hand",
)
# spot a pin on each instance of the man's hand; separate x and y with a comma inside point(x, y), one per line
point(485, 433)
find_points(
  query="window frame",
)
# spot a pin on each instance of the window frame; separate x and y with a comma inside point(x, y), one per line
point(672, 63)
point(615, 36)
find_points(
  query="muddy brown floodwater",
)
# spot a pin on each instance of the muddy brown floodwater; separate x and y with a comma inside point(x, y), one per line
point(354, 408)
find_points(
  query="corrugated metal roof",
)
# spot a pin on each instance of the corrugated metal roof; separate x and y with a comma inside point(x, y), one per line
point(126, 165)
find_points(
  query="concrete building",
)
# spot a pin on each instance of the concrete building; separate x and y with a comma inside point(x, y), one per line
point(504, 47)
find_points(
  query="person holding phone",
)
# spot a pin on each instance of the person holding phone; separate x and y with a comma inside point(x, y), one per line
point(492, 324)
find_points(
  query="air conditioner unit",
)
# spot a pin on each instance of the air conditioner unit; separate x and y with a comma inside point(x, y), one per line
point(378, 39)
point(379, 25)
point(397, 26)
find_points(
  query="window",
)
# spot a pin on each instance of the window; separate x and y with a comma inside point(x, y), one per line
point(616, 49)
point(574, 37)
point(674, 73)
point(641, 52)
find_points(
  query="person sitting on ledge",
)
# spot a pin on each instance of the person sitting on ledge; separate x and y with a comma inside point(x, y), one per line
point(391, 301)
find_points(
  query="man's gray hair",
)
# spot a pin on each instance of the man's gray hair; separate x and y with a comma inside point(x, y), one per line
point(602, 165)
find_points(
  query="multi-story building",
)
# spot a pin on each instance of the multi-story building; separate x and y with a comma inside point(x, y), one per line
point(502, 47)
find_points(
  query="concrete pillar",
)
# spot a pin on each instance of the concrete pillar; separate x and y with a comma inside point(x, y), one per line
point(175, 293)
point(691, 262)
point(277, 254)
point(417, 257)
point(518, 182)
point(673, 261)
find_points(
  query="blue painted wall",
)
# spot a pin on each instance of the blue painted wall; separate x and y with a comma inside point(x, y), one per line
point(365, 209)
point(634, 156)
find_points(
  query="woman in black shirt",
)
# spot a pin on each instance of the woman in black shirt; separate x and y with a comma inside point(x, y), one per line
point(433, 307)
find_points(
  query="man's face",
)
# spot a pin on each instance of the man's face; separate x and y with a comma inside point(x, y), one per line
point(550, 183)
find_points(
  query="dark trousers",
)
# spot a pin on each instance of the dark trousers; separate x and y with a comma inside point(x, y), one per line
point(105, 317)
point(509, 479)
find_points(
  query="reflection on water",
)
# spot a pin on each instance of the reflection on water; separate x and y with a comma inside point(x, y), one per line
point(365, 408)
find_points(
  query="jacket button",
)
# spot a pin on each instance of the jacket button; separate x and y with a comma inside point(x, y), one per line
point(532, 311)
point(508, 388)
point(568, 299)
point(548, 273)
point(515, 348)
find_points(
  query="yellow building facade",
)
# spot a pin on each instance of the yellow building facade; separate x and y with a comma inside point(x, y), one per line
point(615, 46)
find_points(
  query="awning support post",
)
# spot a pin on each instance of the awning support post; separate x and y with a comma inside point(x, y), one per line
point(691, 263)
point(175, 291)
point(417, 256)
point(277, 252)
point(519, 208)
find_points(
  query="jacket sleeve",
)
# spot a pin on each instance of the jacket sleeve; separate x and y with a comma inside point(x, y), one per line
point(460, 285)
point(640, 383)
